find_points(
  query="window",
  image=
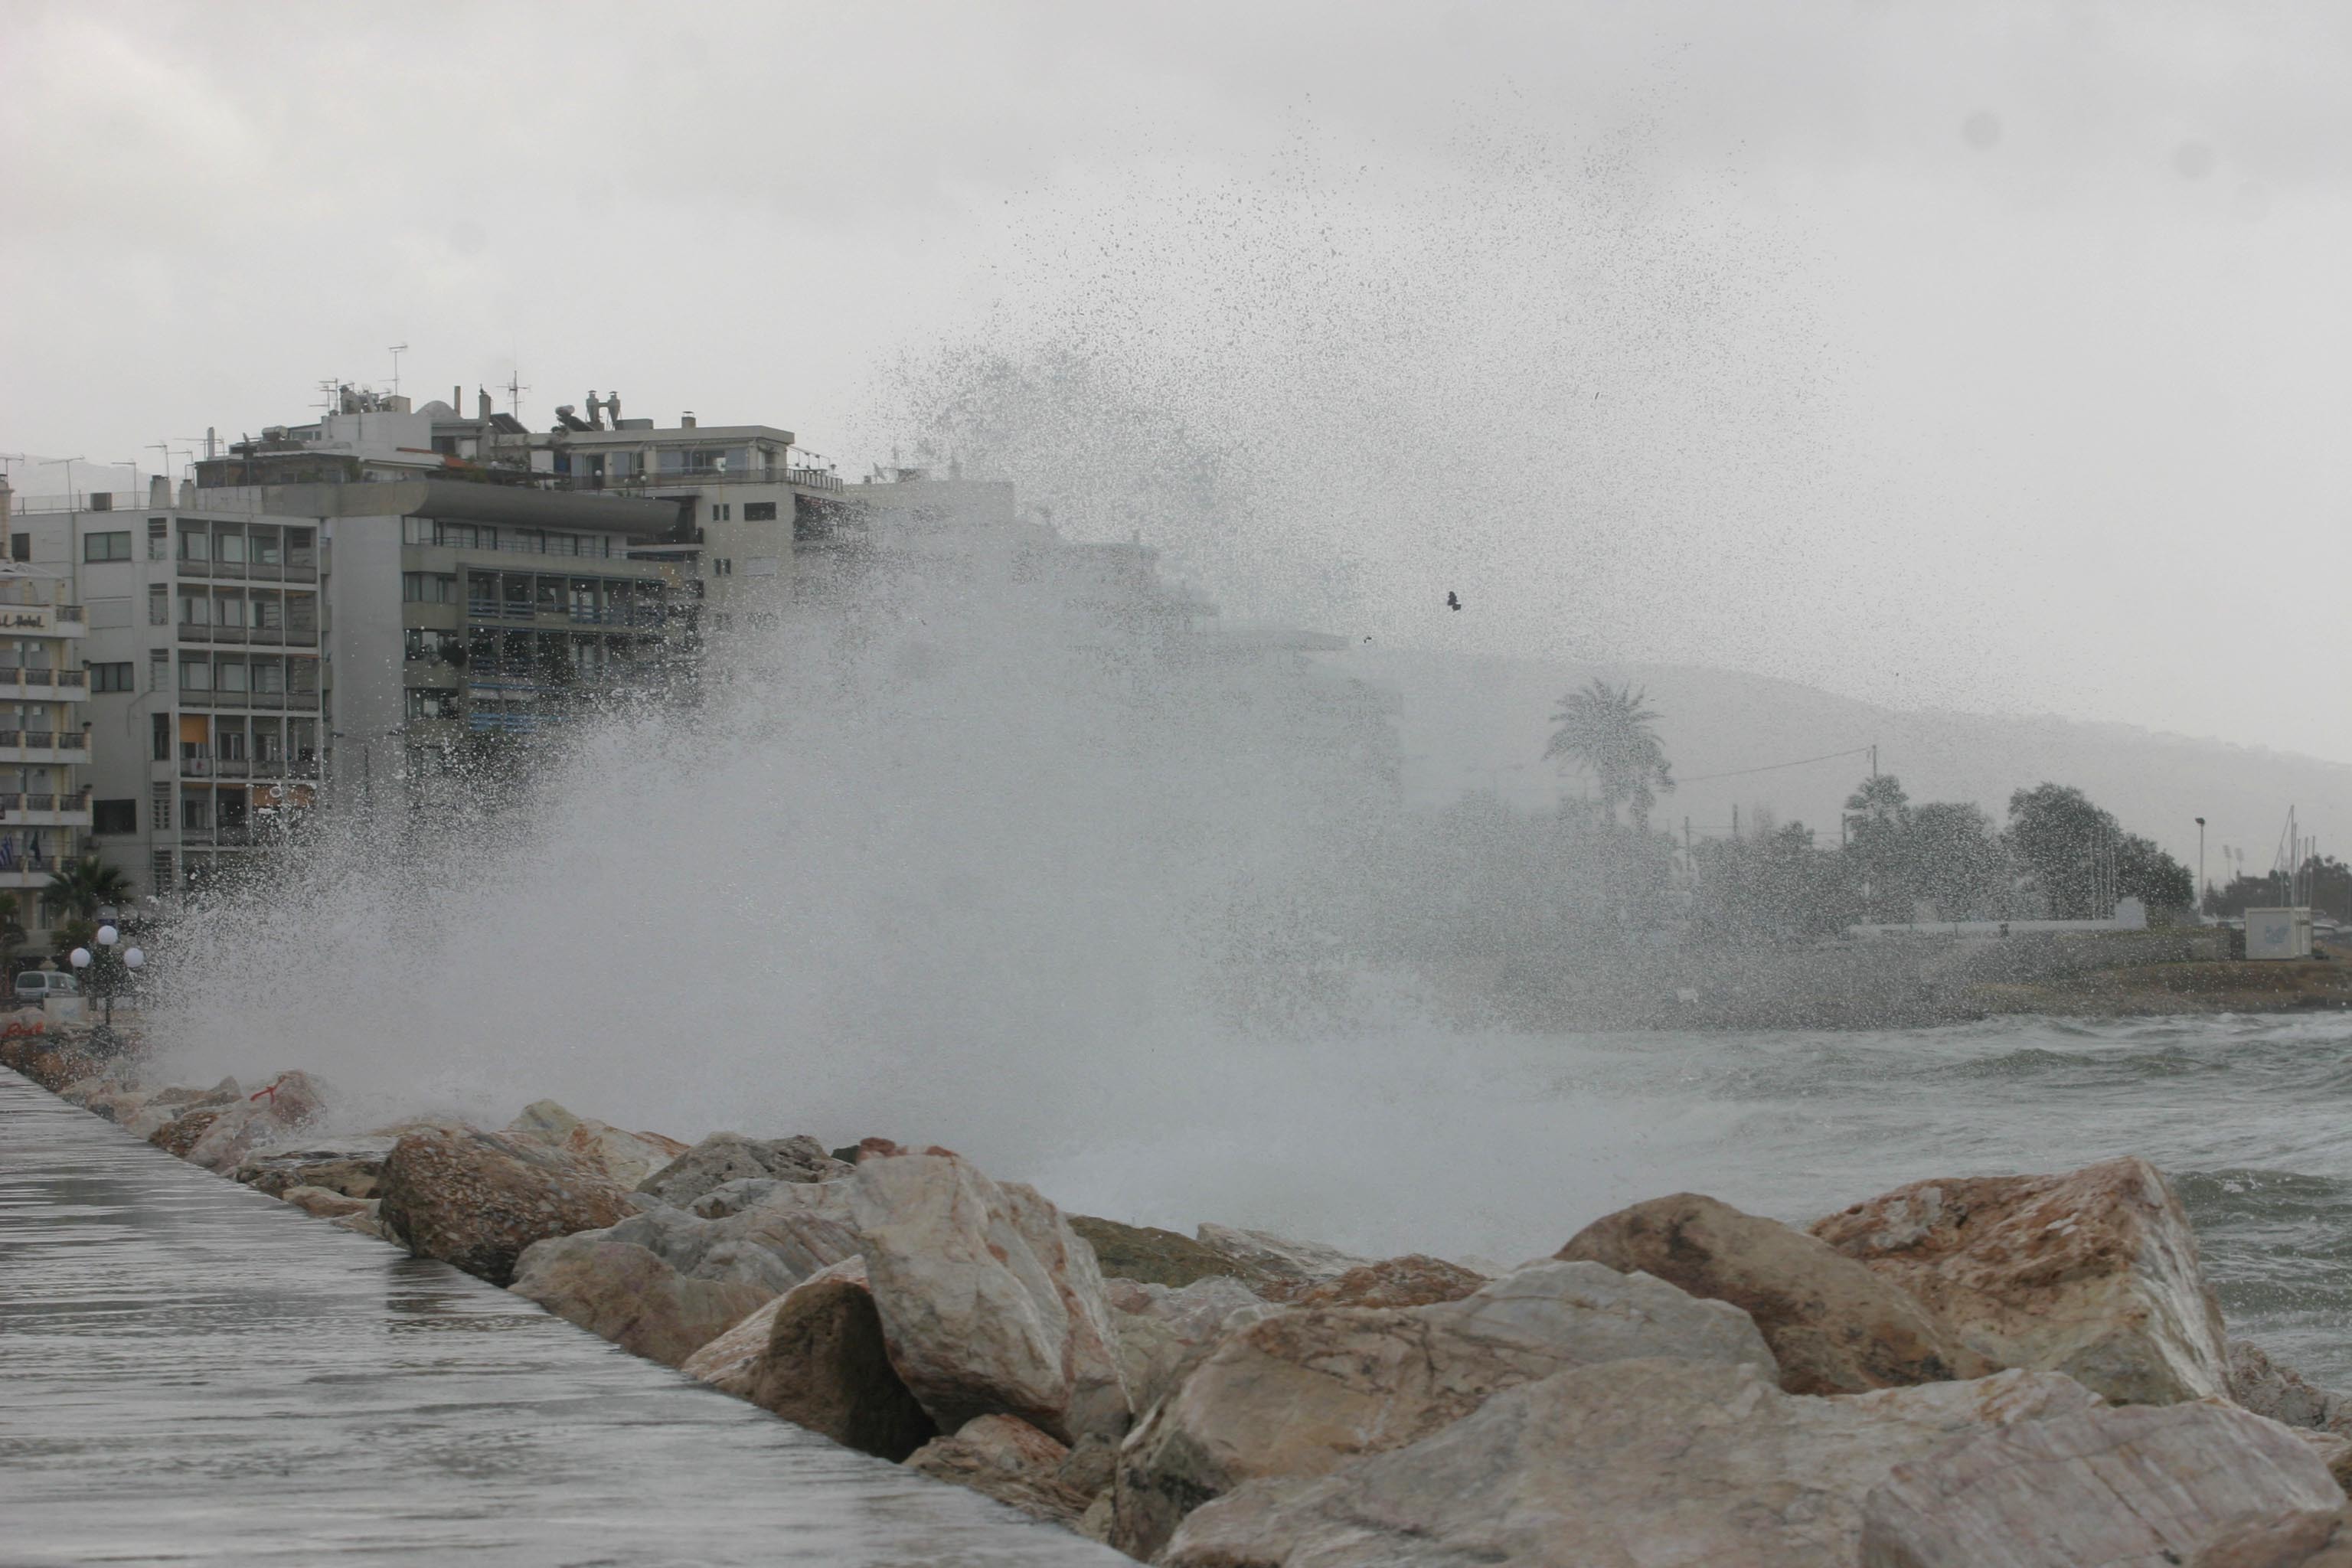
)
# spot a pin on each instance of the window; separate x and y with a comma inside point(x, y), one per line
point(426, 646)
point(160, 729)
point(229, 675)
point(111, 612)
point(196, 608)
point(423, 704)
point(195, 675)
point(232, 744)
point(114, 816)
point(159, 539)
point(722, 514)
point(758, 511)
point(159, 604)
point(160, 871)
point(111, 546)
point(20, 547)
point(229, 548)
point(110, 677)
point(429, 587)
point(298, 550)
point(196, 811)
point(456, 535)
point(302, 737)
point(159, 670)
point(268, 675)
point(195, 544)
point(266, 551)
point(268, 612)
point(416, 531)
point(228, 610)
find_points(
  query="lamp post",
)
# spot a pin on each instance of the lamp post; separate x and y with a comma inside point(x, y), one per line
point(2201, 870)
point(132, 958)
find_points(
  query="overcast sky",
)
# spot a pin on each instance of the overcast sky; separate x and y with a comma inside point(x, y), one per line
point(1990, 355)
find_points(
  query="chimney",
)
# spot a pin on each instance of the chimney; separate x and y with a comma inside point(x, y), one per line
point(457, 402)
point(685, 420)
point(484, 415)
point(8, 502)
point(159, 491)
point(187, 495)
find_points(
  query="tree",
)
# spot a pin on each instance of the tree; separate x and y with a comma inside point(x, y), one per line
point(1954, 860)
point(1775, 887)
point(81, 886)
point(2145, 872)
point(12, 931)
point(1605, 732)
point(1878, 824)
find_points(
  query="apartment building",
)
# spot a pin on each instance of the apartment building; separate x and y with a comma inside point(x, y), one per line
point(261, 645)
point(45, 798)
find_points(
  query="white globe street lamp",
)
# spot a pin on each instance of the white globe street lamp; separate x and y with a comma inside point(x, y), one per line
point(108, 936)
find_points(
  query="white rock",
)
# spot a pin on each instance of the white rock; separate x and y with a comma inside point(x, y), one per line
point(990, 1304)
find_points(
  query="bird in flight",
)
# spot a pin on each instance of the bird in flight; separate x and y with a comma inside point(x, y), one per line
point(1452, 601)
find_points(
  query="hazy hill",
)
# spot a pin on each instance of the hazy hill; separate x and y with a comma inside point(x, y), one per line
point(1467, 720)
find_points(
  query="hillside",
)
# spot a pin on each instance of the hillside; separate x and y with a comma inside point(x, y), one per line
point(1473, 723)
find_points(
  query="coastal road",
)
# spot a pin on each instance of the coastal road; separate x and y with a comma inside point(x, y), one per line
point(193, 1373)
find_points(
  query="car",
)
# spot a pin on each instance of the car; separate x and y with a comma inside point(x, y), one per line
point(35, 987)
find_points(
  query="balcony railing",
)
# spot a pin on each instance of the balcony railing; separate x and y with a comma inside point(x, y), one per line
point(18, 800)
point(233, 768)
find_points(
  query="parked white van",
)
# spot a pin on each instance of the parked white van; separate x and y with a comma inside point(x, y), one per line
point(35, 987)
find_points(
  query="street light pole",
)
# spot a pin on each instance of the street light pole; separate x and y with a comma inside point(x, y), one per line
point(2201, 870)
point(132, 958)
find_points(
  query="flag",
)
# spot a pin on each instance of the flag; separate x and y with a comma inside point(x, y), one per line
point(7, 851)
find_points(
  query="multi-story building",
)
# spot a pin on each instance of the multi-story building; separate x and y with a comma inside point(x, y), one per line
point(257, 642)
point(45, 803)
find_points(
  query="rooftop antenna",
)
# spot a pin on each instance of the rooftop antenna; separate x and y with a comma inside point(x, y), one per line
point(328, 386)
point(515, 389)
point(164, 467)
point(397, 350)
point(68, 462)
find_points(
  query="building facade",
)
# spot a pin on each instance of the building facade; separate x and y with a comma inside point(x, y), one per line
point(256, 646)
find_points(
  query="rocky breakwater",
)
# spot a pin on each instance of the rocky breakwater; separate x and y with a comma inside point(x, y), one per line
point(2003, 1372)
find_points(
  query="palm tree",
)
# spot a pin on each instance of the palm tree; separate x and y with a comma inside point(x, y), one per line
point(79, 887)
point(1605, 732)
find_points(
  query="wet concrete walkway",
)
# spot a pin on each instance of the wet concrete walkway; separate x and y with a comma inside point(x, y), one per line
point(193, 1373)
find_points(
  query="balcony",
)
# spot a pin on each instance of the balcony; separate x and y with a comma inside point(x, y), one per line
point(268, 634)
point(74, 681)
point(23, 810)
point(28, 871)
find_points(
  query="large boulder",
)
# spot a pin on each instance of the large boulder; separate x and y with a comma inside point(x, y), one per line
point(627, 1158)
point(1275, 1267)
point(172, 1101)
point(1415, 1280)
point(827, 1367)
point(1629, 1462)
point(1164, 1334)
point(2094, 1274)
point(991, 1304)
point(286, 1104)
point(2272, 1388)
point(726, 1157)
point(790, 1232)
point(1303, 1392)
point(2111, 1485)
point(726, 1362)
point(477, 1200)
point(352, 1165)
point(1834, 1327)
point(1150, 1256)
point(629, 1296)
point(1007, 1458)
